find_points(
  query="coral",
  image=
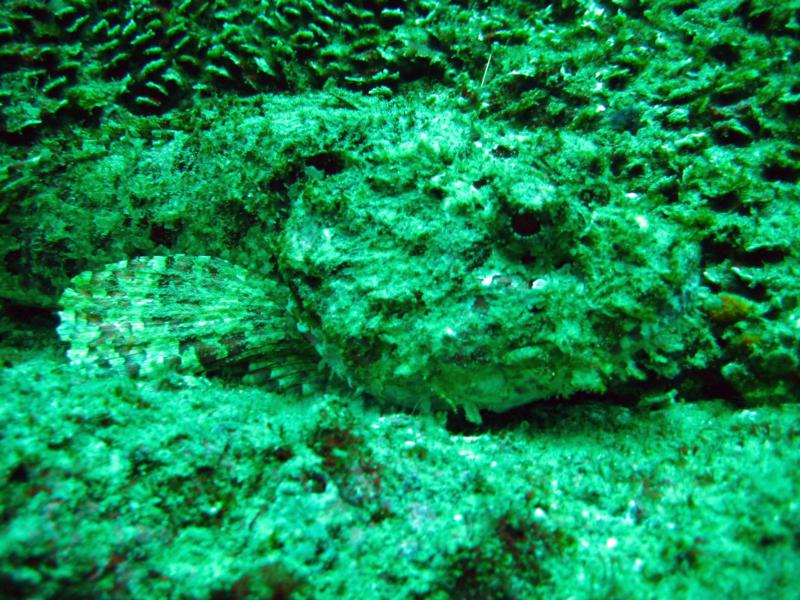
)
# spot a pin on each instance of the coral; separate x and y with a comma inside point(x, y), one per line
point(77, 59)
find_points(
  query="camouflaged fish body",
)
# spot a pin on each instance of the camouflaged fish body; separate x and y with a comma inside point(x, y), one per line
point(466, 279)
point(493, 340)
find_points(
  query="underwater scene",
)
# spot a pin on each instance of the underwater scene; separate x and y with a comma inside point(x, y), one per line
point(384, 299)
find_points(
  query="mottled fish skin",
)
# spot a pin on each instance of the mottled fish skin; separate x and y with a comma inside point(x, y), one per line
point(185, 314)
point(200, 315)
point(427, 271)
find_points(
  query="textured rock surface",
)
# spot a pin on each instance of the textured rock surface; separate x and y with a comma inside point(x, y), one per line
point(212, 491)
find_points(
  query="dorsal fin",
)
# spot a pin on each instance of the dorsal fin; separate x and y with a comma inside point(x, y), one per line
point(190, 314)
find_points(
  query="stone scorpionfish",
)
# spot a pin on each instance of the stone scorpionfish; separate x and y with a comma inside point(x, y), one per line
point(443, 295)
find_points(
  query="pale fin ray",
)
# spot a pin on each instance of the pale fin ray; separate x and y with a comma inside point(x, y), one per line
point(190, 314)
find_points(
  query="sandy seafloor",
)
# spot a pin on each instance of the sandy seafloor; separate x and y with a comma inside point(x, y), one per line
point(203, 128)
